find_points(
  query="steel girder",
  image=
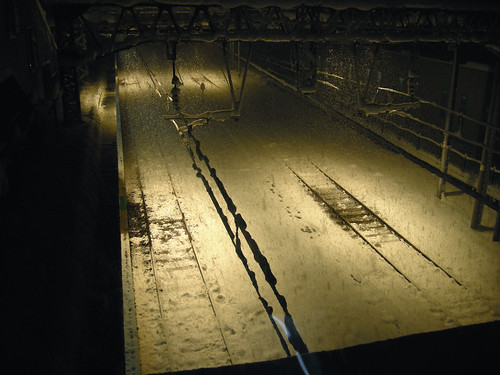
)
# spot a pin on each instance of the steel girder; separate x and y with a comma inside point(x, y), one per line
point(113, 27)
point(467, 5)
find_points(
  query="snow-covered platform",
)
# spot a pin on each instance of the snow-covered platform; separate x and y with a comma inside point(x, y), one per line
point(230, 245)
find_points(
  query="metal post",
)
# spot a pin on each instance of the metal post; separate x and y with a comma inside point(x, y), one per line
point(239, 59)
point(228, 70)
point(446, 136)
point(496, 232)
point(249, 53)
point(487, 155)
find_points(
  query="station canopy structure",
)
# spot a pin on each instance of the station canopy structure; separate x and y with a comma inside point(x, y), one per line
point(88, 29)
point(115, 25)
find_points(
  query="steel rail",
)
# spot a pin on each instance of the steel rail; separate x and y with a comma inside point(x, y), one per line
point(388, 226)
point(351, 227)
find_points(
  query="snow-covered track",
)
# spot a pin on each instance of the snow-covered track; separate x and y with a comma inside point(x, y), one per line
point(355, 216)
point(292, 334)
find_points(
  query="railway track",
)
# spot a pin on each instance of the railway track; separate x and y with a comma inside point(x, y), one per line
point(166, 248)
point(375, 232)
point(293, 336)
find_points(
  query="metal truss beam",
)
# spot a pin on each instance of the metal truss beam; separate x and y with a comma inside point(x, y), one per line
point(115, 27)
point(467, 5)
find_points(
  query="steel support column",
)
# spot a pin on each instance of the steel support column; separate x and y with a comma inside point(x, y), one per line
point(487, 156)
point(306, 66)
point(446, 137)
point(496, 232)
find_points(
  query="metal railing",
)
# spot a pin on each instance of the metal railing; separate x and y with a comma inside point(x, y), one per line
point(347, 87)
point(345, 96)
